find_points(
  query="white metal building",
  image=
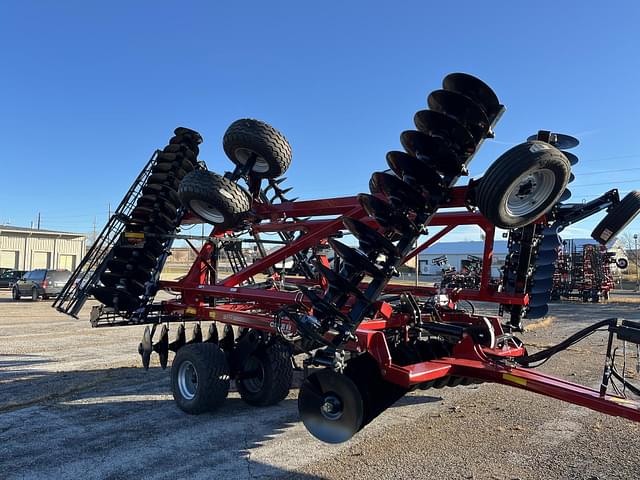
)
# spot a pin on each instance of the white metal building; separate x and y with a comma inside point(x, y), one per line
point(457, 253)
point(28, 248)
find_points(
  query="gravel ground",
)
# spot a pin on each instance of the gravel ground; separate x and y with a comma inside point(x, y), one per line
point(75, 404)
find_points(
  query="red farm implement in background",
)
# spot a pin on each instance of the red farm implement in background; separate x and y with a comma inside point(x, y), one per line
point(366, 339)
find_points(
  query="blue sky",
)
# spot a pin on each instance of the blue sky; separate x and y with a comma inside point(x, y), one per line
point(90, 89)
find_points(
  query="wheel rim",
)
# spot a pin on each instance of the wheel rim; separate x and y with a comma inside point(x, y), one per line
point(187, 380)
point(207, 211)
point(529, 191)
point(254, 383)
point(243, 155)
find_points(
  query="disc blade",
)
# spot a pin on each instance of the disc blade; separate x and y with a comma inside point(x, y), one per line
point(537, 300)
point(437, 124)
point(433, 151)
point(542, 286)
point(550, 240)
point(384, 213)
point(120, 299)
point(571, 157)
point(399, 193)
point(546, 257)
point(537, 312)
point(543, 272)
point(559, 140)
point(475, 89)
point(369, 237)
point(330, 406)
point(566, 195)
point(337, 282)
point(463, 109)
point(415, 172)
point(356, 259)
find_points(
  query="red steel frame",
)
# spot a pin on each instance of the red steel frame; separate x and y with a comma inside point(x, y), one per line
point(255, 308)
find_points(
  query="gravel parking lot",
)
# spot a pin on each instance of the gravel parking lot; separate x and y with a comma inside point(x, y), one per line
point(74, 403)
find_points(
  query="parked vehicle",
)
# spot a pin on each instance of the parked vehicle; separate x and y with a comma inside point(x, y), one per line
point(40, 283)
point(9, 277)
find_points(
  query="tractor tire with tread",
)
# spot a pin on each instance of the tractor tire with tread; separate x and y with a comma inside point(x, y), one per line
point(617, 218)
point(247, 136)
point(523, 184)
point(214, 198)
point(273, 382)
point(211, 386)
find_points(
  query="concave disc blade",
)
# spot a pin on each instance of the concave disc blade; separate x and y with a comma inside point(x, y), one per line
point(432, 151)
point(338, 282)
point(561, 141)
point(438, 124)
point(330, 406)
point(475, 89)
point(369, 237)
point(400, 194)
point(543, 272)
point(462, 108)
point(566, 195)
point(384, 213)
point(550, 240)
point(571, 157)
point(355, 258)
point(538, 312)
point(546, 257)
point(117, 298)
point(415, 172)
point(542, 286)
point(572, 177)
point(538, 299)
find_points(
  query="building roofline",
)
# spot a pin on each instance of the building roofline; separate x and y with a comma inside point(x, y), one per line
point(12, 229)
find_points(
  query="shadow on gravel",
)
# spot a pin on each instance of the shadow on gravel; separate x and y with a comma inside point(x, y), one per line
point(122, 422)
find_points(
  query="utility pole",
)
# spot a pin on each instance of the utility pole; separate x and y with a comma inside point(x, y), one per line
point(38, 220)
point(109, 216)
point(417, 257)
point(635, 238)
point(94, 229)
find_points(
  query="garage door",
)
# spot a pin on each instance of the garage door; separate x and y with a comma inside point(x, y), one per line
point(67, 262)
point(8, 259)
point(40, 260)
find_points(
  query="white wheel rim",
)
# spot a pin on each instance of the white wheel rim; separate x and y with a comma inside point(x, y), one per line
point(207, 211)
point(187, 380)
point(528, 191)
point(243, 155)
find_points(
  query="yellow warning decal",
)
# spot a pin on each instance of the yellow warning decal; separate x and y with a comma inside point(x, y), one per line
point(133, 235)
point(625, 401)
point(212, 315)
point(191, 311)
point(512, 378)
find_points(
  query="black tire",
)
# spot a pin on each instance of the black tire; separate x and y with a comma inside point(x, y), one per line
point(248, 136)
point(211, 386)
point(15, 293)
point(214, 198)
point(34, 294)
point(618, 218)
point(273, 374)
point(523, 184)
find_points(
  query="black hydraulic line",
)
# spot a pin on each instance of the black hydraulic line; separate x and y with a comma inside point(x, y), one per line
point(635, 390)
point(526, 361)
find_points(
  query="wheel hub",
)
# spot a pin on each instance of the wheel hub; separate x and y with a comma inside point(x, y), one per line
point(209, 212)
point(332, 407)
point(244, 154)
point(187, 380)
point(529, 191)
